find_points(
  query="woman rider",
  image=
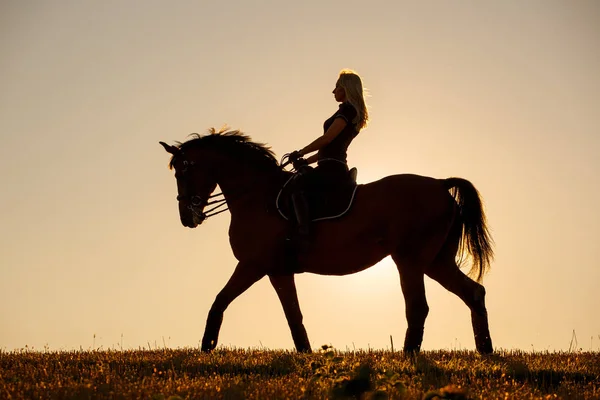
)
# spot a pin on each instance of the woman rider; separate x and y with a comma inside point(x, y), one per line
point(339, 131)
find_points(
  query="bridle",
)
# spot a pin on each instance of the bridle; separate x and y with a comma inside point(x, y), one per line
point(196, 202)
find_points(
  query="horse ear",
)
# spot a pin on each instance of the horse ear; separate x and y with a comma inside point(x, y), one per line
point(170, 149)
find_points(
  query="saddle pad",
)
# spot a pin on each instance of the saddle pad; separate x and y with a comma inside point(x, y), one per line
point(326, 204)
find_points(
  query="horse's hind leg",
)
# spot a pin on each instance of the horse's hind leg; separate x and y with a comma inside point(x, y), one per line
point(413, 289)
point(445, 271)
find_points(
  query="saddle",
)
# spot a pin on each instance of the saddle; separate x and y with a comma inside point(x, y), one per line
point(325, 203)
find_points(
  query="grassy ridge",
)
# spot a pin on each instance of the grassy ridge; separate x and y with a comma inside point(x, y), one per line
point(254, 374)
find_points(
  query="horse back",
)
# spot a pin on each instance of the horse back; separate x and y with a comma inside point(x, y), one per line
point(397, 205)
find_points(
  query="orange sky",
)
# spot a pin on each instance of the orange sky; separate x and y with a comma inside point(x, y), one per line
point(505, 94)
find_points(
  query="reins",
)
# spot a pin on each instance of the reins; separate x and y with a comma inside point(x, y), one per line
point(218, 203)
point(297, 164)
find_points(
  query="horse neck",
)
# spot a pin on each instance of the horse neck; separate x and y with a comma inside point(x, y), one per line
point(243, 183)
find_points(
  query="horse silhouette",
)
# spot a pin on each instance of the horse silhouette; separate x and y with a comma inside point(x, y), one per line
point(422, 222)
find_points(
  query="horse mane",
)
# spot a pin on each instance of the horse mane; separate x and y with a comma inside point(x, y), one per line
point(234, 143)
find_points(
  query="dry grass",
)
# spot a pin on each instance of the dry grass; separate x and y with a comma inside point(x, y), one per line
point(254, 374)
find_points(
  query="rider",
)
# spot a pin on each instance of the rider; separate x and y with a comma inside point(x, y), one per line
point(339, 131)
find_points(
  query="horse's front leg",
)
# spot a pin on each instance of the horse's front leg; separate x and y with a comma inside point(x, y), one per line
point(244, 276)
point(286, 291)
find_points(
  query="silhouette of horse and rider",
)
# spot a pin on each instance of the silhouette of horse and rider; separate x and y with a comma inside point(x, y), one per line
point(423, 223)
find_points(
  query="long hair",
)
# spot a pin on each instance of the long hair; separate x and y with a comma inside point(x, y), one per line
point(352, 85)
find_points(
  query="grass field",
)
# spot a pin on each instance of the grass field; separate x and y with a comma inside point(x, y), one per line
point(262, 374)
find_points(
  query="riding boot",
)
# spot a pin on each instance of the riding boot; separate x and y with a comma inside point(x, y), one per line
point(301, 210)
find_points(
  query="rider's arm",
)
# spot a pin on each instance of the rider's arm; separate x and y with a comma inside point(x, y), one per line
point(336, 127)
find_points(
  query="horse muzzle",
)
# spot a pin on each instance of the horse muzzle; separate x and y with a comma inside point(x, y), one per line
point(191, 215)
point(198, 216)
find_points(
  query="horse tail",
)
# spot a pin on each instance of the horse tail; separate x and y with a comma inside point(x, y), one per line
point(475, 238)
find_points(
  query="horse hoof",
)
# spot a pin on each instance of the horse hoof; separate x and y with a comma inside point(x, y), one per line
point(412, 351)
point(208, 347)
point(485, 348)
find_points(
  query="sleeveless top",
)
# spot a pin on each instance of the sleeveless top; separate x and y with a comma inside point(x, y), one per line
point(338, 147)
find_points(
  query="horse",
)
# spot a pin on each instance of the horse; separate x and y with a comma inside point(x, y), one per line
point(428, 226)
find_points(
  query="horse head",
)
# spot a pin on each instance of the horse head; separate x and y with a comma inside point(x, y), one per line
point(195, 184)
point(225, 158)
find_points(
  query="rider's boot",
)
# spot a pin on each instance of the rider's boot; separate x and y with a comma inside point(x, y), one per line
point(301, 210)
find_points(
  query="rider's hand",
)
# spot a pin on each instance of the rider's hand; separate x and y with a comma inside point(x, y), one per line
point(294, 156)
point(300, 163)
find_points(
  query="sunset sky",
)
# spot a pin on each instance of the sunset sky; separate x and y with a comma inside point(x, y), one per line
point(92, 253)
